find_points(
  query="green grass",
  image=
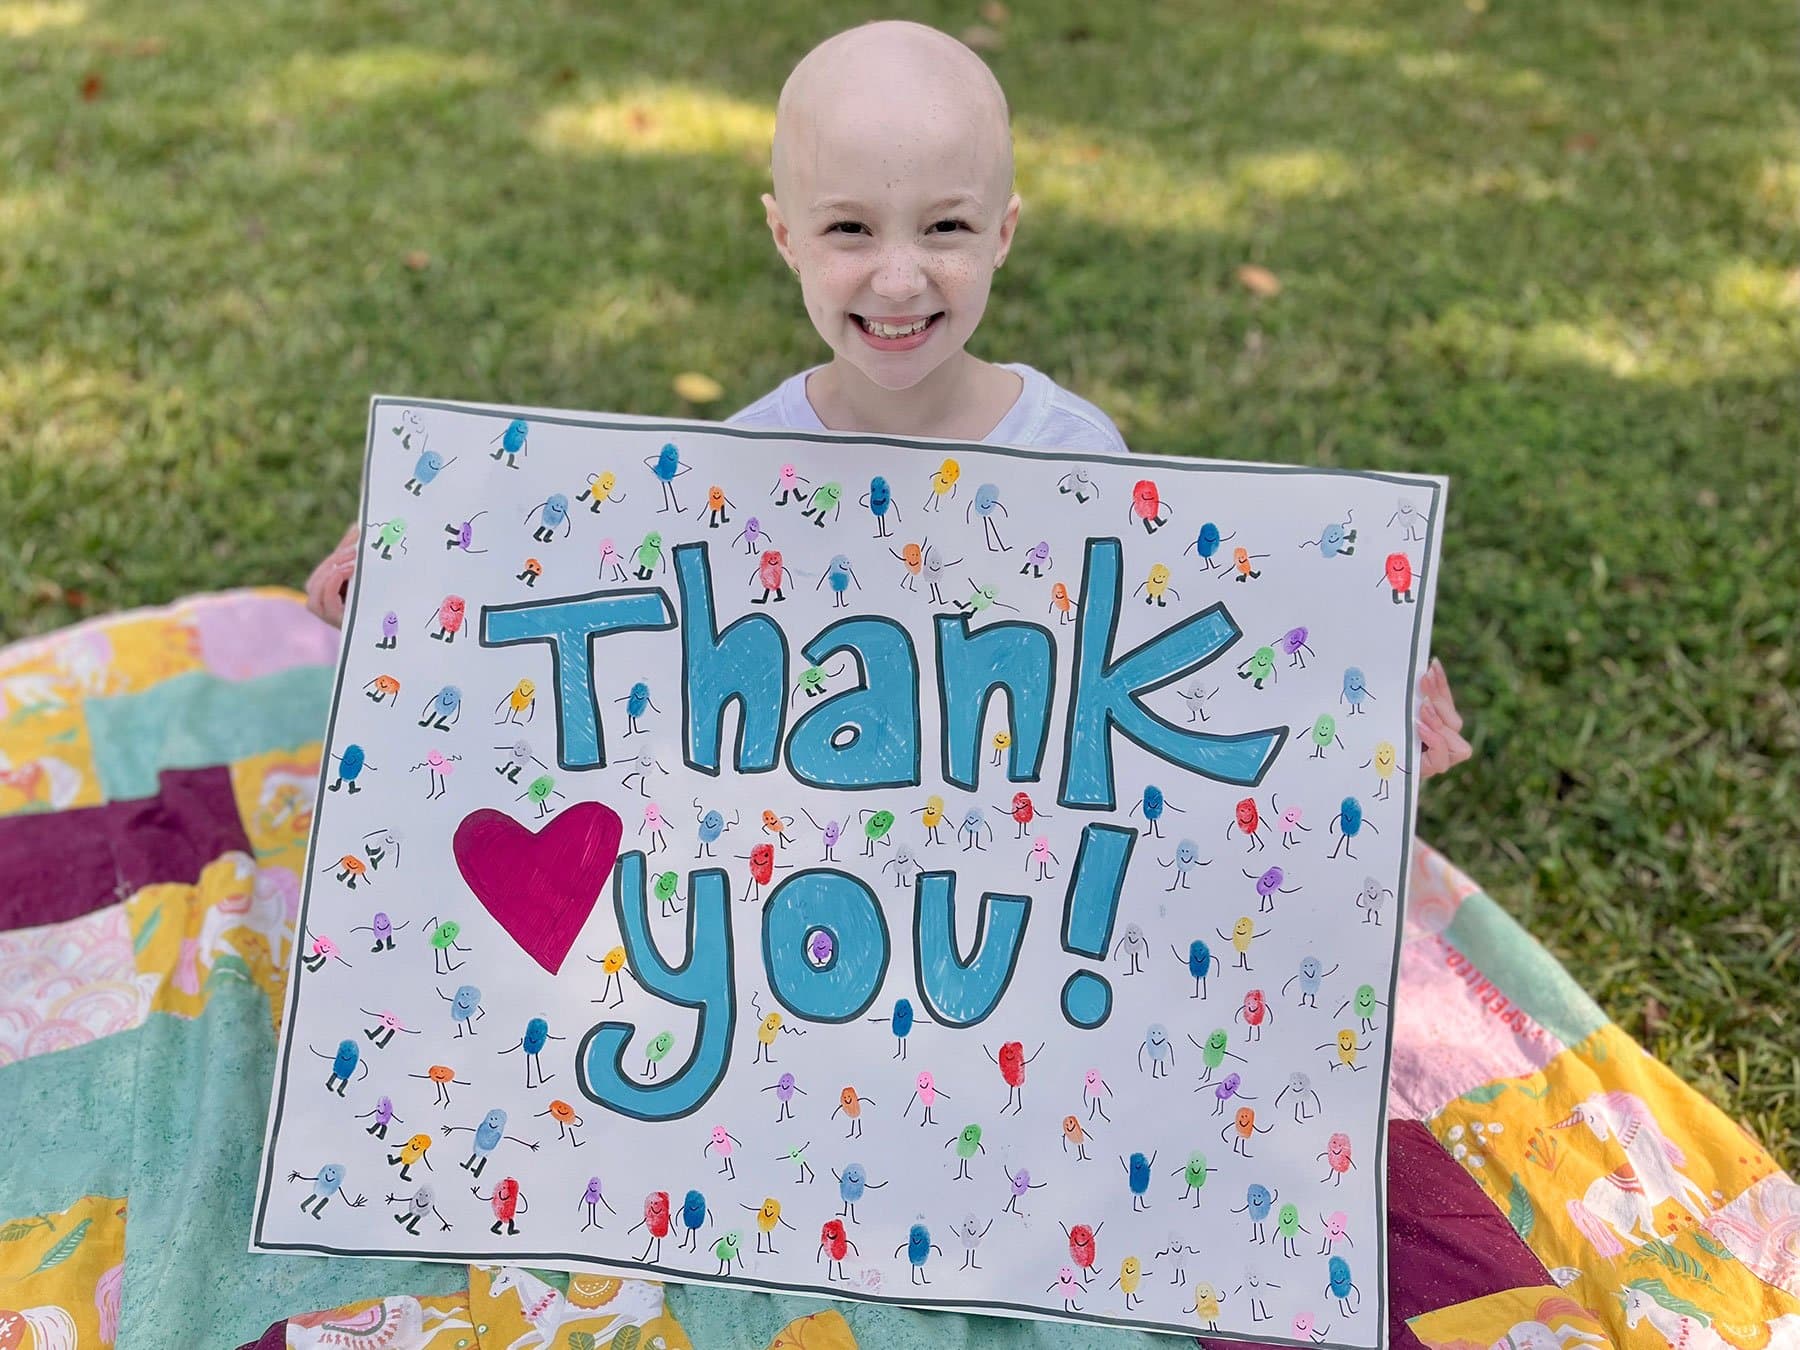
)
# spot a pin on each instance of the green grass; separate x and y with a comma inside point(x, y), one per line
point(1549, 249)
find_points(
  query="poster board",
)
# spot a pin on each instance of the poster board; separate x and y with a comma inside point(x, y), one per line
point(865, 867)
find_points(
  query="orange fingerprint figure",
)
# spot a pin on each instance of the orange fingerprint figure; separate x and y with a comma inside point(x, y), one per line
point(1243, 1125)
point(1060, 602)
point(851, 1105)
point(566, 1120)
point(350, 870)
point(382, 686)
point(1072, 1133)
point(912, 558)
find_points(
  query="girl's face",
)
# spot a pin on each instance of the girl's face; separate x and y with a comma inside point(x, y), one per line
point(896, 210)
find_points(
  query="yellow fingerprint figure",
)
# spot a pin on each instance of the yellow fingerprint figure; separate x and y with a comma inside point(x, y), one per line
point(1206, 1305)
point(522, 699)
point(943, 484)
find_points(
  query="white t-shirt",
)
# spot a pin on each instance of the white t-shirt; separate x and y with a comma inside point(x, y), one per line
point(1046, 415)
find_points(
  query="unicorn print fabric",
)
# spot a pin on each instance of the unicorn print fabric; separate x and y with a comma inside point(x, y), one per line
point(946, 875)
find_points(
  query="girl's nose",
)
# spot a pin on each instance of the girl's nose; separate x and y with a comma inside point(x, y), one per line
point(898, 274)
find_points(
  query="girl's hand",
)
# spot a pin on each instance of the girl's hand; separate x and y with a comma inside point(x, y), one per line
point(328, 588)
point(1440, 726)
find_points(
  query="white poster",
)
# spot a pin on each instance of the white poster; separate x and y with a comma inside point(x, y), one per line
point(885, 869)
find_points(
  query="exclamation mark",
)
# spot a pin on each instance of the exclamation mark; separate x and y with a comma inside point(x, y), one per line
point(1089, 909)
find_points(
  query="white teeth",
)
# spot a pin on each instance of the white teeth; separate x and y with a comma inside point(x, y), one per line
point(888, 331)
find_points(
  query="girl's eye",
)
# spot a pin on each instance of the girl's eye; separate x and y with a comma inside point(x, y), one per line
point(852, 225)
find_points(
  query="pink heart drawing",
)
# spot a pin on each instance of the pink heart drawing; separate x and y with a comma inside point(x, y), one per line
point(539, 887)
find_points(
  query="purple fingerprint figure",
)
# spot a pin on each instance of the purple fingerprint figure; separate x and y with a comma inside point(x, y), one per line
point(820, 947)
point(390, 629)
point(784, 1088)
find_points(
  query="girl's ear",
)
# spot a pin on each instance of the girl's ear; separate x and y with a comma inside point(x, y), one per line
point(1008, 224)
point(778, 230)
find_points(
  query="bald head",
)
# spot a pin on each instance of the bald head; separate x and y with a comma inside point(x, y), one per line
point(895, 97)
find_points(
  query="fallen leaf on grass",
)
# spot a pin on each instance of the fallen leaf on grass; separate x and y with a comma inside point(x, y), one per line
point(697, 388)
point(93, 84)
point(1258, 280)
point(417, 260)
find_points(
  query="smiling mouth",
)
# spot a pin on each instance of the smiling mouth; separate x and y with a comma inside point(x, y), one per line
point(884, 329)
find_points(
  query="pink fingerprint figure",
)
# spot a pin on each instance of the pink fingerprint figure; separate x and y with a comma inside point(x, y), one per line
point(925, 1092)
point(1093, 1091)
point(609, 555)
point(722, 1142)
point(1337, 1158)
point(1303, 1326)
point(1068, 1286)
point(1289, 822)
point(1337, 1225)
point(1042, 856)
point(787, 483)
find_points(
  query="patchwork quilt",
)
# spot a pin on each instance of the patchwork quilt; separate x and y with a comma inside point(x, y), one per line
point(1551, 1185)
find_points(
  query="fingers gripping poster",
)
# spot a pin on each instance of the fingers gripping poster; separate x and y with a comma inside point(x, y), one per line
point(883, 869)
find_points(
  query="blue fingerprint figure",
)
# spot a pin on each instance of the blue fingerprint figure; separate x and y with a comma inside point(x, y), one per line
point(1206, 544)
point(667, 468)
point(425, 471)
point(554, 512)
point(853, 1183)
point(1200, 961)
point(325, 1185)
point(637, 702)
point(1258, 1201)
point(880, 501)
point(343, 1065)
point(1153, 804)
point(350, 766)
point(1356, 689)
point(1348, 823)
point(839, 573)
point(512, 442)
point(1137, 1177)
point(1309, 977)
point(712, 826)
point(1340, 1286)
point(918, 1248)
point(444, 707)
point(537, 1036)
point(465, 1008)
point(694, 1213)
point(901, 1023)
point(987, 501)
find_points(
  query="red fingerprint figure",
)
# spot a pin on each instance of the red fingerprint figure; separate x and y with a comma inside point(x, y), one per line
point(450, 613)
point(505, 1200)
point(1022, 809)
point(833, 1239)
point(1146, 503)
point(768, 571)
point(656, 1213)
point(1337, 1153)
point(762, 863)
point(1399, 574)
point(1255, 1009)
point(1012, 1063)
point(1082, 1249)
